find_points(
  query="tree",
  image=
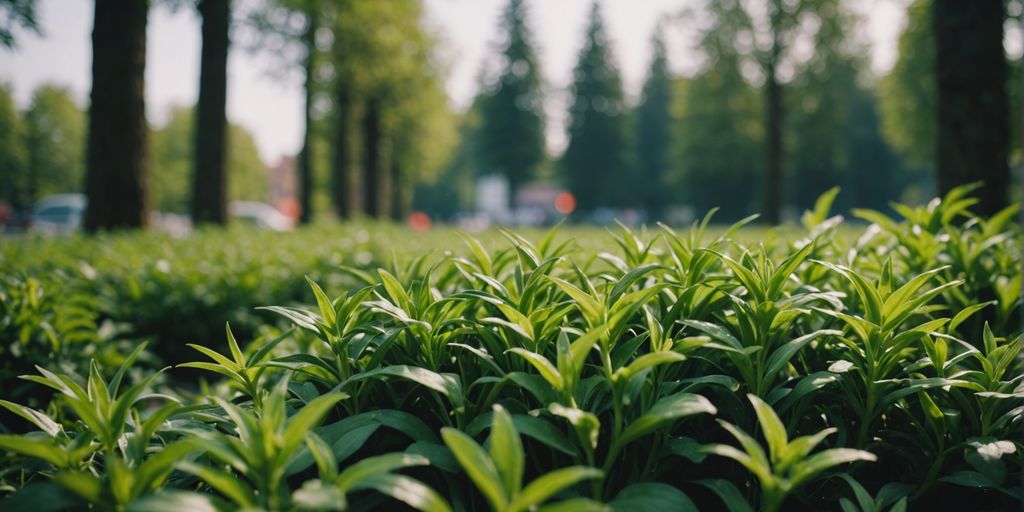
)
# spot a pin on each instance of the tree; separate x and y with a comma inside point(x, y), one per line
point(908, 96)
point(357, 62)
point(513, 116)
point(305, 171)
point(16, 14)
point(287, 30)
point(595, 159)
point(391, 116)
point(765, 33)
point(908, 93)
point(345, 182)
point(424, 130)
point(833, 120)
point(654, 131)
point(719, 136)
point(451, 191)
point(172, 159)
point(209, 179)
point(13, 160)
point(973, 107)
point(116, 171)
point(55, 143)
point(354, 45)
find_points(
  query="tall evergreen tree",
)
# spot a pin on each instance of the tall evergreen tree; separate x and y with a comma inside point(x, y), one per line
point(116, 172)
point(595, 160)
point(513, 117)
point(209, 179)
point(654, 131)
point(973, 107)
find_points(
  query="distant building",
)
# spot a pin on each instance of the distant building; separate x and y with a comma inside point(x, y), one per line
point(492, 196)
point(538, 195)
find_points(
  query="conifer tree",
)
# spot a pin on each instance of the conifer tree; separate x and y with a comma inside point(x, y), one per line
point(654, 131)
point(512, 135)
point(595, 161)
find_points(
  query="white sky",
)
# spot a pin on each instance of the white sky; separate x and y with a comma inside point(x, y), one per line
point(271, 107)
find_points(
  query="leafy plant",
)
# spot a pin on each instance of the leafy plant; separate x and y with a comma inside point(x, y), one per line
point(788, 464)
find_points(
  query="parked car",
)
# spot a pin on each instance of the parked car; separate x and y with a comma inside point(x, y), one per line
point(260, 215)
point(59, 214)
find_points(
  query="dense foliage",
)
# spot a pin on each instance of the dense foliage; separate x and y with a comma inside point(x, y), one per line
point(868, 369)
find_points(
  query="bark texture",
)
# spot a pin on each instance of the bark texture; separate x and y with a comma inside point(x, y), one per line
point(116, 161)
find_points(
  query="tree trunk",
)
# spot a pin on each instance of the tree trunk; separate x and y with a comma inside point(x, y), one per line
point(401, 193)
point(344, 183)
point(973, 108)
point(209, 180)
point(773, 162)
point(305, 185)
point(116, 174)
point(376, 162)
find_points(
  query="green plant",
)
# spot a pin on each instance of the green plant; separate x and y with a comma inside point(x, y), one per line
point(498, 472)
point(788, 463)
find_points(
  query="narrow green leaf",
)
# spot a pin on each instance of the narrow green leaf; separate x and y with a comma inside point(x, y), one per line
point(782, 355)
point(772, 427)
point(407, 490)
point(308, 417)
point(115, 382)
point(324, 457)
point(236, 351)
point(220, 359)
point(446, 384)
point(355, 474)
point(650, 360)
point(222, 482)
point(652, 497)
point(44, 449)
point(507, 450)
point(539, 490)
point(810, 467)
point(541, 363)
point(37, 418)
point(177, 501)
point(664, 412)
point(477, 465)
point(730, 495)
point(590, 307)
point(325, 305)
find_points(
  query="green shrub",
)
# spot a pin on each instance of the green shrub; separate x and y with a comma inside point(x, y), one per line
point(705, 369)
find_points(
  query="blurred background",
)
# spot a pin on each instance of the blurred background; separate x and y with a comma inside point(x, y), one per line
point(173, 113)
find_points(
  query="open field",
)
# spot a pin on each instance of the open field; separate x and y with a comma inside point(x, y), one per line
point(820, 366)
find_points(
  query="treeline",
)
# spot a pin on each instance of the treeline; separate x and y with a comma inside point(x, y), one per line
point(376, 114)
point(42, 152)
point(784, 107)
